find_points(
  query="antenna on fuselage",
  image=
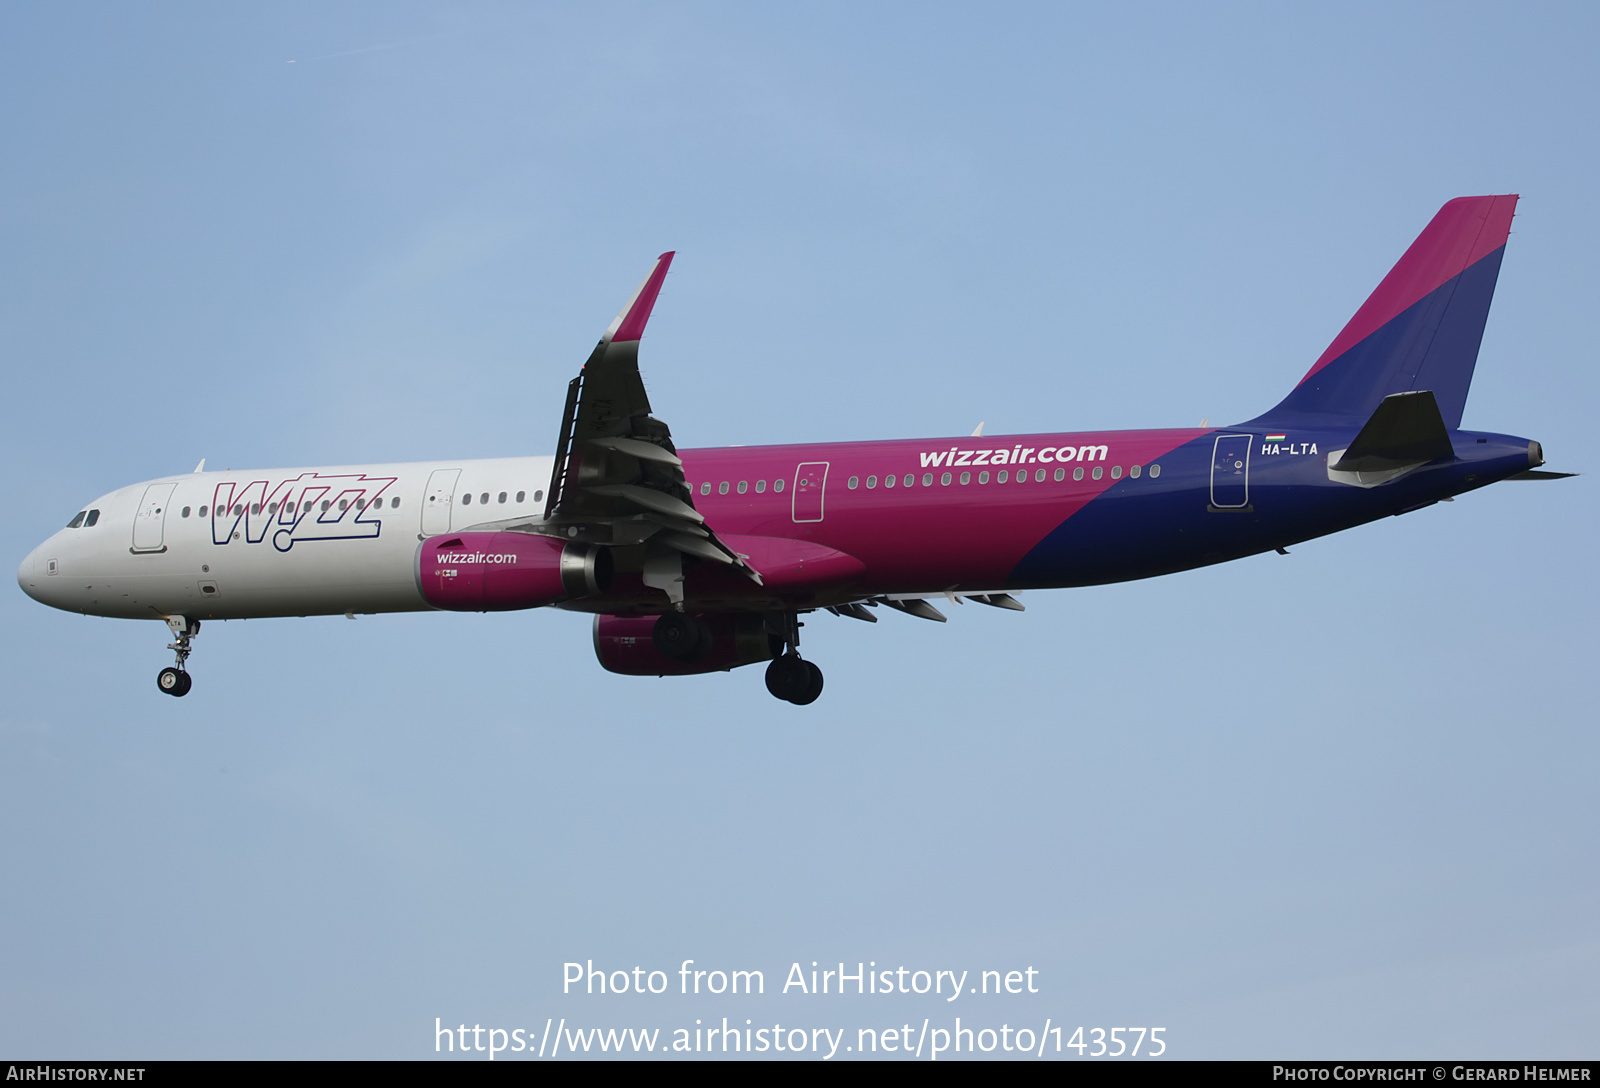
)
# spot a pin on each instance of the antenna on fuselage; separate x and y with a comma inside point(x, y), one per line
point(201, 467)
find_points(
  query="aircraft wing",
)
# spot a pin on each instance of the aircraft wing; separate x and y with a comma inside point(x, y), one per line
point(617, 477)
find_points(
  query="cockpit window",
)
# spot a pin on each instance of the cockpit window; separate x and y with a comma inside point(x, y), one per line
point(77, 521)
point(94, 516)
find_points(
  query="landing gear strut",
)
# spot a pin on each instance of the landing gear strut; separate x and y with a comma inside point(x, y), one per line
point(790, 677)
point(176, 681)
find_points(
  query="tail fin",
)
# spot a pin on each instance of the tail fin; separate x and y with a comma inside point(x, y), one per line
point(1419, 330)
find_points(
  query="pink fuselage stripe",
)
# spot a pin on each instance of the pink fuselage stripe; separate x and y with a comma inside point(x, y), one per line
point(913, 538)
point(1465, 231)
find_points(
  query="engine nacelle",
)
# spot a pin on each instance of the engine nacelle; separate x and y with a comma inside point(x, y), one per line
point(625, 644)
point(500, 572)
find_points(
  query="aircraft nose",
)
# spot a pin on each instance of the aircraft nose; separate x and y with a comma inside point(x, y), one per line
point(25, 575)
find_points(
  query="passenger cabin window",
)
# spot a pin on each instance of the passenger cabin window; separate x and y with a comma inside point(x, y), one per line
point(466, 500)
point(1077, 474)
point(185, 511)
point(521, 496)
point(744, 485)
point(202, 511)
point(394, 503)
point(77, 522)
point(484, 498)
point(1155, 470)
point(502, 497)
point(538, 496)
point(761, 487)
point(705, 488)
point(853, 483)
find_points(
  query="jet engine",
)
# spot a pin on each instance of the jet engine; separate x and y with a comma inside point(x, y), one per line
point(500, 572)
point(627, 644)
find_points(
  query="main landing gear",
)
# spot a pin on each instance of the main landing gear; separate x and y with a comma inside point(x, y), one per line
point(686, 638)
point(790, 677)
point(794, 680)
point(176, 681)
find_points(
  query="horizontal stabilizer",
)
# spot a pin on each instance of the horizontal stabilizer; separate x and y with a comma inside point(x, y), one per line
point(1406, 429)
point(1540, 474)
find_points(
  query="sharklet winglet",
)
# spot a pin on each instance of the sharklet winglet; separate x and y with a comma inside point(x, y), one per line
point(630, 323)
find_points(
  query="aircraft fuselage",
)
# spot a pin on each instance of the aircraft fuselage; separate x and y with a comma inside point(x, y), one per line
point(921, 517)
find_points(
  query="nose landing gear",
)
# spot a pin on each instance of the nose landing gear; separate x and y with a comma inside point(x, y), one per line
point(175, 680)
point(790, 677)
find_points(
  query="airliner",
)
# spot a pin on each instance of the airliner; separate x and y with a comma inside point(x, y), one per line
point(695, 561)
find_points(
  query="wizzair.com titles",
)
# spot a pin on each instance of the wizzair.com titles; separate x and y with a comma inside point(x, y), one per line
point(955, 457)
point(462, 559)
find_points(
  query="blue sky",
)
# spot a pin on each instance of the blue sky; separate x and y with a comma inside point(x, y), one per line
point(1336, 804)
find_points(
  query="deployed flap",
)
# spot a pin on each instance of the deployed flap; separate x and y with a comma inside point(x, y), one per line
point(617, 477)
point(1406, 429)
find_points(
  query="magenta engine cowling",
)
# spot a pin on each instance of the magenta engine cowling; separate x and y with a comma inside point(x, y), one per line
point(500, 572)
point(624, 644)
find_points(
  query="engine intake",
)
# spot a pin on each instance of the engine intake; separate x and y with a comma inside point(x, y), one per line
point(501, 572)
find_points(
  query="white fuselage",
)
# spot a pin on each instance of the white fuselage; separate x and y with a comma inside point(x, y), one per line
point(278, 542)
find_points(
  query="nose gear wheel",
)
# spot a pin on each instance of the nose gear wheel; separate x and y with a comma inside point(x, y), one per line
point(175, 679)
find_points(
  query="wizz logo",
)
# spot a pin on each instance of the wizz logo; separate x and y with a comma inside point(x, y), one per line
point(309, 507)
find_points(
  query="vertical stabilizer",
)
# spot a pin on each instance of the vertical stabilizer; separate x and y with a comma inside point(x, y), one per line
point(1419, 330)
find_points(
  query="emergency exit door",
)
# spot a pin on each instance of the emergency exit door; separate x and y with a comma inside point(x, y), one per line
point(437, 500)
point(809, 481)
